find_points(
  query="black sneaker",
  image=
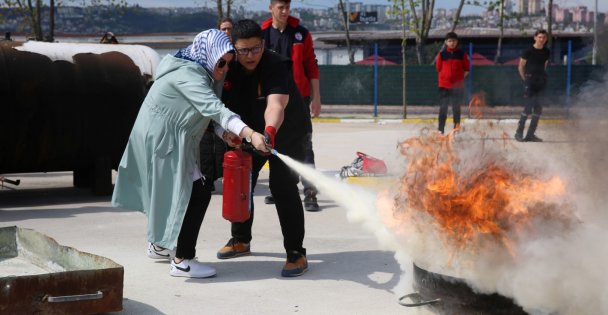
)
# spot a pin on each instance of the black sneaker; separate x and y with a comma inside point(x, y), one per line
point(519, 137)
point(533, 138)
point(310, 202)
point(269, 200)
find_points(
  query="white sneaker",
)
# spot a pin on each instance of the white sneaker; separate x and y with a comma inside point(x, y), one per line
point(157, 252)
point(191, 268)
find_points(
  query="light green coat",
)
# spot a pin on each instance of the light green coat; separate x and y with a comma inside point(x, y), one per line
point(155, 174)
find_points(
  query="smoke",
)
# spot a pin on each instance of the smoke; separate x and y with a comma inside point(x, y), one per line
point(568, 274)
point(586, 133)
point(360, 204)
point(557, 266)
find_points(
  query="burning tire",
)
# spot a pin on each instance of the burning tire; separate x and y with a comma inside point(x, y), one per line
point(450, 295)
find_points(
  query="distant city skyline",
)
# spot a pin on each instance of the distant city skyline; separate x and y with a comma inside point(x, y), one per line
point(262, 5)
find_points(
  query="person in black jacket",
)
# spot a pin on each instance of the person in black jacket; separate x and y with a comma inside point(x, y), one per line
point(532, 70)
point(261, 89)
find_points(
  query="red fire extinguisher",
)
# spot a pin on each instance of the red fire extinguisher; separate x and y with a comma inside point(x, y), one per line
point(237, 186)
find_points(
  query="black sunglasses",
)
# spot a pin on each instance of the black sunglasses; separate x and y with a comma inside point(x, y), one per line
point(245, 51)
point(221, 63)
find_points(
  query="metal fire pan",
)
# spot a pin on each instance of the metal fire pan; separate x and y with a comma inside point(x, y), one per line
point(37, 275)
point(450, 295)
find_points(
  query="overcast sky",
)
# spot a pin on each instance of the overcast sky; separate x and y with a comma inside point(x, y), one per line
point(263, 4)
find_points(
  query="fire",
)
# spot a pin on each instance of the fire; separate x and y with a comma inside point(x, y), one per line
point(470, 202)
point(477, 104)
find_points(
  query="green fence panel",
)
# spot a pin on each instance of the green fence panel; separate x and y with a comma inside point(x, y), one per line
point(422, 85)
point(348, 85)
point(353, 84)
point(500, 84)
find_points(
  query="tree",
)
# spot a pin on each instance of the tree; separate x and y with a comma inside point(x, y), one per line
point(499, 7)
point(32, 13)
point(399, 8)
point(344, 19)
point(51, 21)
point(457, 15)
point(421, 24)
point(550, 21)
point(220, 9)
point(501, 24)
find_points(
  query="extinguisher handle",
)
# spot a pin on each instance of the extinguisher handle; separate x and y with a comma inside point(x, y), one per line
point(248, 147)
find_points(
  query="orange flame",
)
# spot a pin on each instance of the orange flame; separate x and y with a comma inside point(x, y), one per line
point(477, 104)
point(474, 201)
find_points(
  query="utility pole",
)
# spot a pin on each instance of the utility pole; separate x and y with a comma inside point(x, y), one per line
point(595, 16)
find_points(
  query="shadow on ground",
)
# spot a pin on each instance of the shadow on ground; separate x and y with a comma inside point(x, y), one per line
point(53, 213)
point(380, 273)
point(135, 307)
point(33, 197)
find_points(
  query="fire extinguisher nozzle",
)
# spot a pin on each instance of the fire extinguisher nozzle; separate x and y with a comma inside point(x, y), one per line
point(274, 152)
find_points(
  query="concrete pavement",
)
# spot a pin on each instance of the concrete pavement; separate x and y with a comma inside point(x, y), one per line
point(349, 272)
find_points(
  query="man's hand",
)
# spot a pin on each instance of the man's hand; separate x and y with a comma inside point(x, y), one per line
point(259, 142)
point(315, 107)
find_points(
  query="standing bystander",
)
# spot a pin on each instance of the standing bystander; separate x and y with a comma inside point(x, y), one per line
point(108, 38)
point(225, 25)
point(284, 35)
point(532, 70)
point(452, 66)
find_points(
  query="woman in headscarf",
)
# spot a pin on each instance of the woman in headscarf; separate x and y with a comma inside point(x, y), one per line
point(159, 173)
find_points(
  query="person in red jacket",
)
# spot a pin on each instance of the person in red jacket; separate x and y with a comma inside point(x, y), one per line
point(452, 65)
point(283, 34)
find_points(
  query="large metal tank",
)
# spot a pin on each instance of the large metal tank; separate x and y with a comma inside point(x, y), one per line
point(70, 107)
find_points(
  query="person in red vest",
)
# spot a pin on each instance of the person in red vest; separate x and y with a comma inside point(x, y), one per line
point(284, 35)
point(452, 66)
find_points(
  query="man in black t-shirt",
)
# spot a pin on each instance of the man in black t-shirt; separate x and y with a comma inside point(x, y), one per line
point(532, 66)
point(261, 89)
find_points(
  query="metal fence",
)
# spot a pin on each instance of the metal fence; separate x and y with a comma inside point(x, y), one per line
point(364, 84)
point(354, 84)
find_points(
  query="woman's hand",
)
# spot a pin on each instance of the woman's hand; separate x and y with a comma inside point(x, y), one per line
point(231, 139)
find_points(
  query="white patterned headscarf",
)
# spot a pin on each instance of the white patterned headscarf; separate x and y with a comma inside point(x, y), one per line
point(207, 48)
